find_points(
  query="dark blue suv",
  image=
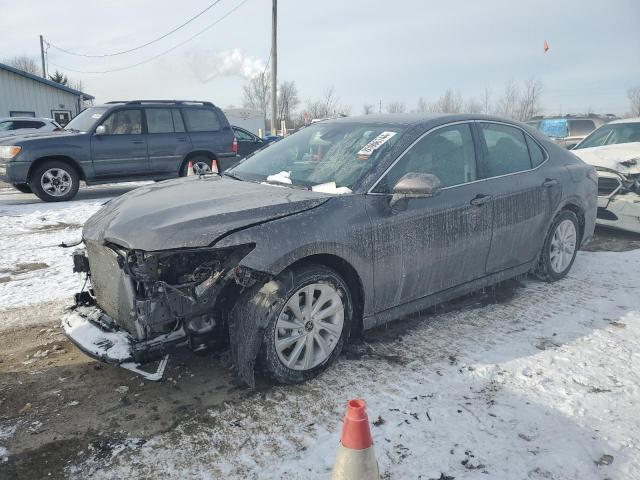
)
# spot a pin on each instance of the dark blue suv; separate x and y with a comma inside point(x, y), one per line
point(119, 142)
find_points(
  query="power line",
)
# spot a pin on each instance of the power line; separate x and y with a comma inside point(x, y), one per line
point(160, 54)
point(139, 46)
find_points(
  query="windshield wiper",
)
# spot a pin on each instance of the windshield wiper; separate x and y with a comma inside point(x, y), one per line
point(234, 176)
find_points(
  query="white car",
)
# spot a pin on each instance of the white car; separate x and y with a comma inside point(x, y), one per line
point(21, 125)
point(614, 149)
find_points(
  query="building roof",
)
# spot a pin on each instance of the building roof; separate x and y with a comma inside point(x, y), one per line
point(46, 81)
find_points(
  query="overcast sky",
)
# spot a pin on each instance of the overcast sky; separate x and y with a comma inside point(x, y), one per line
point(368, 50)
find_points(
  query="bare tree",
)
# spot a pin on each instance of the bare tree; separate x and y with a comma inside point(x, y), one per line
point(634, 98)
point(507, 105)
point(486, 100)
point(368, 108)
point(473, 106)
point(396, 107)
point(450, 102)
point(328, 106)
point(529, 102)
point(423, 106)
point(256, 92)
point(288, 100)
point(24, 63)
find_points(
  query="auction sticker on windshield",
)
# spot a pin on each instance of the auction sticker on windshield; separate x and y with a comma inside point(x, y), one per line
point(374, 144)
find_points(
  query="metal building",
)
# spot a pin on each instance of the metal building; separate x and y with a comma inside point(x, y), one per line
point(25, 95)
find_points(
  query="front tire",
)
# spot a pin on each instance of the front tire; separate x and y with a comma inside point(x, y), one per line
point(54, 181)
point(23, 188)
point(308, 317)
point(560, 248)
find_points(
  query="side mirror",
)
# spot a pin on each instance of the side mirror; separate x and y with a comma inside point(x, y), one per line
point(416, 185)
point(101, 130)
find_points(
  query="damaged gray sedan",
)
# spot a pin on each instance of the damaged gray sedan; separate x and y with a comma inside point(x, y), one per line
point(348, 224)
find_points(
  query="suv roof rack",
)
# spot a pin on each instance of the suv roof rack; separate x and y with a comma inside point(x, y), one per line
point(173, 102)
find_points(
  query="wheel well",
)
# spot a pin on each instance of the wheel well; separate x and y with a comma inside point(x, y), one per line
point(572, 207)
point(61, 158)
point(197, 153)
point(350, 275)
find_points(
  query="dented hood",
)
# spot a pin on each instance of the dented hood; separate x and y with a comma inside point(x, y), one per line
point(612, 157)
point(192, 212)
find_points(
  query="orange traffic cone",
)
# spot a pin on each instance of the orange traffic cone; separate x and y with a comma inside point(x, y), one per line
point(355, 458)
point(214, 166)
point(190, 168)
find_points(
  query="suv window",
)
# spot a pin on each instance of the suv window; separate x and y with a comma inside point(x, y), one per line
point(201, 119)
point(581, 128)
point(507, 150)
point(26, 124)
point(159, 120)
point(242, 136)
point(178, 123)
point(447, 153)
point(124, 122)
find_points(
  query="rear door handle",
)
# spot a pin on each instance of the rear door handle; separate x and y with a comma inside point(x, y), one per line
point(480, 199)
point(550, 182)
point(138, 142)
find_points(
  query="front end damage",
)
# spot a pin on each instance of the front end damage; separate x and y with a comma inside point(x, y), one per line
point(141, 305)
point(618, 199)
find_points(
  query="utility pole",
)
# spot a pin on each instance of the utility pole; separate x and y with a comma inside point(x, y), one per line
point(44, 69)
point(274, 68)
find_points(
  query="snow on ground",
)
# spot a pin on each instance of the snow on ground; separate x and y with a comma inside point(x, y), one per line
point(33, 267)
point(541, 386)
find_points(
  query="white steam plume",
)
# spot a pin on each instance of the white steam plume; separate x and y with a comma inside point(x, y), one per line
point(226, 64)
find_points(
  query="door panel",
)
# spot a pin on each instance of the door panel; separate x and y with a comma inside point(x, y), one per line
point(435, 244)
point(122, 150)
point(167, 142)
point(522, 195)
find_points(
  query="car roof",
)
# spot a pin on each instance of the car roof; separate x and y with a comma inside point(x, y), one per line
point(25, 118)
point(416, 119)
point(627, 120)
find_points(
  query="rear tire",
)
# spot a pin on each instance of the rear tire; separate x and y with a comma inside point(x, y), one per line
point(200, 164)
point(560, 248)
point(54, 181)
point(23, 187)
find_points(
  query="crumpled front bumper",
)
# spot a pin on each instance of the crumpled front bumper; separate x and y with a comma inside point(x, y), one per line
point(83, 327)
point(617, 207)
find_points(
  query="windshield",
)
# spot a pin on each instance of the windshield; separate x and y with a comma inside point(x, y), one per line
point(86, 119)
point(324, 156)
point(612, 134)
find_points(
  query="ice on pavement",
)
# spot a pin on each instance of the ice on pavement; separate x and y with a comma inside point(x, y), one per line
point(542, 386)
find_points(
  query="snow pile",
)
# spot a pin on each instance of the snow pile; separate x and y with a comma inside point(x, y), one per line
point(33, 268)
point(542, 386)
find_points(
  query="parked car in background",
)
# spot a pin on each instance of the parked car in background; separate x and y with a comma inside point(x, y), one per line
point(344, 226)
point(568, 131)
point(20, 125)
point(119, 142)
point(614, 149)
point(247, 141)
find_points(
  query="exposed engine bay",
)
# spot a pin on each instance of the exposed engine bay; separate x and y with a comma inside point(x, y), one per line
point(154, 301)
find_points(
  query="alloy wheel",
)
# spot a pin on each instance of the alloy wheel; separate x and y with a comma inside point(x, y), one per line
point(56, 182)
point(563, 246)
point(309, 326)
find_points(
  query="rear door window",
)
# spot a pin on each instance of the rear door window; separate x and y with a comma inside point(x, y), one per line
point(506, 148)
point(159, 120)
point(201, 119)
point(581, 128)
point(535, 152)
point(178, 123)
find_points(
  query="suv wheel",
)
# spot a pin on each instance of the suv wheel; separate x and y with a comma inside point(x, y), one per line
point(201, 165)
point(560, 248)
point(54, 181)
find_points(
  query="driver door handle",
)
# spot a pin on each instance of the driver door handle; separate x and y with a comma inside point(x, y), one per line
point(480, 199)
point(549, 182)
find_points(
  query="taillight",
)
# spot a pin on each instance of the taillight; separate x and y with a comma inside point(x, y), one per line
point(234, 145)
